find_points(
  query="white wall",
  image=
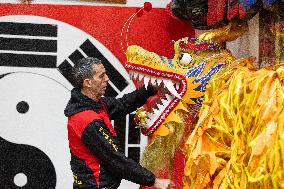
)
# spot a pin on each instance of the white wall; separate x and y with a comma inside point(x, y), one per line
point(248, 44)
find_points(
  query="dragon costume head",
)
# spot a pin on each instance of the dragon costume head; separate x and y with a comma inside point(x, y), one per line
point(183, 78)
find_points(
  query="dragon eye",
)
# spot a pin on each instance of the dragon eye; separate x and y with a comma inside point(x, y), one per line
point(185, 59)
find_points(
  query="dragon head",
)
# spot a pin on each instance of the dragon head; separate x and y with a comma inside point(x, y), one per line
point(182, 79)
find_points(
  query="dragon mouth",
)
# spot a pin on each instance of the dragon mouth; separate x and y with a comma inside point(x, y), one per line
point(172, 88)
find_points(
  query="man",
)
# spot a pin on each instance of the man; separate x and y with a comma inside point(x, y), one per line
point(96, 158)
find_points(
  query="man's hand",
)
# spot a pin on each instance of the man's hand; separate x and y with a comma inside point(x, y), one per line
point(162, 183)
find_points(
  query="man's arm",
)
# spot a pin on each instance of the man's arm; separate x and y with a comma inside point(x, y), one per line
point(100, 142)
point(118, 108)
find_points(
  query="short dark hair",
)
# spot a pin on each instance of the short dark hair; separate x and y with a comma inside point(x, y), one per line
point(84, 69)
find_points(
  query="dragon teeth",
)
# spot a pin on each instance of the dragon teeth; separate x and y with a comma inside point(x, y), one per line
point(148, 123)
point(164, 101)
point(153, 81)
point(134, 75)
point(169, 84)
point(156, 112)
point(161, 107)
point(150, 115)
point(152, 118)
point(169, 97)
point(177, 86)
point(159, 81)
point(140, 77)
point(146, 81)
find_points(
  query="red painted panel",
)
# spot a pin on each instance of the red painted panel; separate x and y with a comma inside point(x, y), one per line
point(153, 31)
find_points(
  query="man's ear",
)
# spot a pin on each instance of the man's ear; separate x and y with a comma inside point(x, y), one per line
point(87, 83)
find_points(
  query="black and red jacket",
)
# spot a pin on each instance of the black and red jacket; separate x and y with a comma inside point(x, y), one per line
point(96, 158)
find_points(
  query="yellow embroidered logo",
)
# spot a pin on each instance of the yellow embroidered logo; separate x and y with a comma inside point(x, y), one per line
point(77, 180)
point(108, 139)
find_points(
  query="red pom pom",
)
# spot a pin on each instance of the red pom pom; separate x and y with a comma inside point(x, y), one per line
point(147, 6)
point(139, 12)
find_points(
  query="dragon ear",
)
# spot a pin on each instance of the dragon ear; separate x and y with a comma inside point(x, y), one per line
point(226, 33)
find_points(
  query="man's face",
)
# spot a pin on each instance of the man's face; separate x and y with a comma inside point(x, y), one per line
point(99, 81)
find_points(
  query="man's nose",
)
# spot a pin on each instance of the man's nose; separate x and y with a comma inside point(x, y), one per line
point(107, 79)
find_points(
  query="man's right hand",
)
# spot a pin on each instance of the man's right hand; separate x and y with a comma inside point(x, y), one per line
point(162, 183)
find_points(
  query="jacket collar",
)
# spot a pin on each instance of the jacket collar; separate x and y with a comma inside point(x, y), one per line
point(79, 102)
